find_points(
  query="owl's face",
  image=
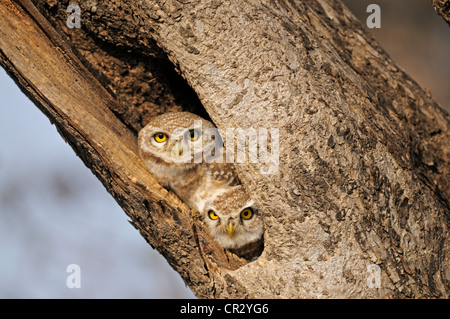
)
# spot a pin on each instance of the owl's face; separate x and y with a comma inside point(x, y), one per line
point(233, 220)
point(176, 138)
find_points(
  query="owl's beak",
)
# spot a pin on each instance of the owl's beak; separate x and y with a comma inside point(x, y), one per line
point(230, 229)
point(178, 150)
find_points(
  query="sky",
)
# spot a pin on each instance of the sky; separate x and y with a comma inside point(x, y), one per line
point(416, 38)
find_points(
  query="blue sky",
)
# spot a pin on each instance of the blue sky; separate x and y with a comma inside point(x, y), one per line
point(54, 212)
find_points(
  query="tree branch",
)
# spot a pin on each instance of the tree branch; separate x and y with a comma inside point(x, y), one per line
point(443, 9)
point(55, 80)
point(364, 155)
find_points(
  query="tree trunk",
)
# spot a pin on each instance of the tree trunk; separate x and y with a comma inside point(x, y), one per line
point(442, 7)
point(359, 203)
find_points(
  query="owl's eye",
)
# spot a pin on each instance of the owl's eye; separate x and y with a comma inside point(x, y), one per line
point(160, 137)
point(212, 215)
point(193, 135)
point(247, 214)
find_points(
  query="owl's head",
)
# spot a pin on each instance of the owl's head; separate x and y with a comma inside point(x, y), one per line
point(180, 138)
point(233, 220)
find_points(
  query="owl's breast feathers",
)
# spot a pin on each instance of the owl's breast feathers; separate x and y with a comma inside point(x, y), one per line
point(224, 173)
point(204, 187)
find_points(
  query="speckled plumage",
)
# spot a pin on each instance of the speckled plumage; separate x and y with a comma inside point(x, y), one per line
point(246, 235)
point(193, 182)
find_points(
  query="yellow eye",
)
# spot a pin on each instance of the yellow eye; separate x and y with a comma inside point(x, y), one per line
point(212, 215)
point(160, 137)
point(193, 135)
point(247, 214)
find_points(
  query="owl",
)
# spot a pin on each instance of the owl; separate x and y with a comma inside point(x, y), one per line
point(235, 223)
point(185, 153)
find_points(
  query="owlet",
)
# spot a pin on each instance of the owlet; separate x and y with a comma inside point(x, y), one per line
point(235, 223)
point(182, 150)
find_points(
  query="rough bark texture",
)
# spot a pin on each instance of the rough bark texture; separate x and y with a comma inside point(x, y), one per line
point(443, 8)
point(364, 151)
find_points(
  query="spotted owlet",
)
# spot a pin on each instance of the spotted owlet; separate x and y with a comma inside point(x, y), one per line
point(179, 149)
point(235, 223)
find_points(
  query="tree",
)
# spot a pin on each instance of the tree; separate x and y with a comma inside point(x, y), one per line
point(359, 204)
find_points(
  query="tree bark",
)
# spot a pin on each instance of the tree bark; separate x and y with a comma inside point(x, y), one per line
point(442, 7)
point(362, 182)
